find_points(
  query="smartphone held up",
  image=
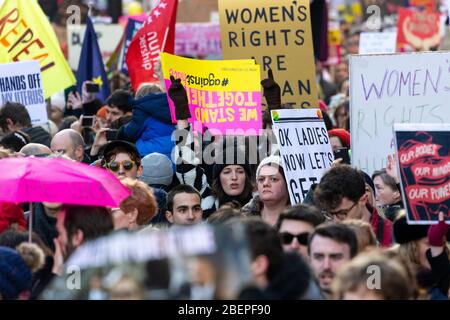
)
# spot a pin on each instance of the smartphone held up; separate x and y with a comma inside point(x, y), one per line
point(88, 121)
point(342, 153)
point(92, 88)
point(111, 135)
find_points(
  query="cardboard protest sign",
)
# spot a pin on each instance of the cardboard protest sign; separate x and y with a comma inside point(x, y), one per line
point(305, 148)
point(423, 153)
point(197, 262)
point(198, 40)
point(418, 30)
point(108, 37)
point(21, 82)
point(377, 42)
point(278, 36)
point(224, 96)
point(396, 88)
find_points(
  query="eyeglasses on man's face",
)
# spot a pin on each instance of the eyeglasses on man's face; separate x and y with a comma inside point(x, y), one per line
point(340, 214)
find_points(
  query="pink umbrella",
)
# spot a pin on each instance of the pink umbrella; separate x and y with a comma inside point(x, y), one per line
point(58, 180)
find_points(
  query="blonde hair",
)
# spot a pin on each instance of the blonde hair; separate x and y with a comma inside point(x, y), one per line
point(364, 234)
point(394, 279)
point(410, 251)
point(32, 254)
point(4, 153)
point(142, 199)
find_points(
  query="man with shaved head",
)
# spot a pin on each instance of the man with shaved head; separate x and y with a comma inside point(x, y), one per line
point(70, 143)
point(35, 149)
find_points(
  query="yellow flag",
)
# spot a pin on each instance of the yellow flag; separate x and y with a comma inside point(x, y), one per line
point(26, 34)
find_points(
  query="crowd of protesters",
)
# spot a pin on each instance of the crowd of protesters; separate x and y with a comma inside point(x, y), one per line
point(323, 248)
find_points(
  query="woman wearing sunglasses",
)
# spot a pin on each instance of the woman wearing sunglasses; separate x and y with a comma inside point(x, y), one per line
point(122, 159)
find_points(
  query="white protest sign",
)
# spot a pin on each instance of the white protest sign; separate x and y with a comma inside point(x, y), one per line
point(21, 82)
point(304, 147)
point(394, 88)
point(377, 42)
point(108, 37)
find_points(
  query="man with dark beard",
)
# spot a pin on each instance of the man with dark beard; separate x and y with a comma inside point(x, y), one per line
point(75, 226)
point(330, 247)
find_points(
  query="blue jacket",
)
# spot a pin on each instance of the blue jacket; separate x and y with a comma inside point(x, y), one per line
point(151, 126)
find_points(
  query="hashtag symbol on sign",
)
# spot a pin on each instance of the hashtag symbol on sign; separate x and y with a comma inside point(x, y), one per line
point(224, 82)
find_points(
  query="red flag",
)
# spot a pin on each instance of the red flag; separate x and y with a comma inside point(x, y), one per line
point(155, 36)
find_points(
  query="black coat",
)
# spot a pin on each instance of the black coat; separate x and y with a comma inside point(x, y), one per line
point(44, 225)
point(38, 135)
point(440, 267)
point(294, 280)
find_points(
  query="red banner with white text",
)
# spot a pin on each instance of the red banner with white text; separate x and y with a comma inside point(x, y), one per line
point(155, 36)
point(424, 169)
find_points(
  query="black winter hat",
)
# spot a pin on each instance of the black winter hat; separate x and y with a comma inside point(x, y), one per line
point(404, 232)
point(239, 158)
point(129, 147)
point(369, 181)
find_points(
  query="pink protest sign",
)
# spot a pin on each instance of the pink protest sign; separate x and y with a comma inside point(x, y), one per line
point(198, 39)
point(224, 96)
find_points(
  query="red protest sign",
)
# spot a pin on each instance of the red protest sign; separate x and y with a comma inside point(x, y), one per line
point(155, 36)
point(424, 168)
point(417, 30)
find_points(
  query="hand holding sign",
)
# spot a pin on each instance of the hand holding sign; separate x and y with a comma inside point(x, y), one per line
point(437, 232)
point(272, 92)
point(179, 97)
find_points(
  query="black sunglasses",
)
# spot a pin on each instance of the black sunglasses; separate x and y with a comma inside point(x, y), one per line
point(302, 238)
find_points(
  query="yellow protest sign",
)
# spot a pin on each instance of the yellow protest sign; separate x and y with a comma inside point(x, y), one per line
point(278, 35)
point(334, 37)
point(26, 34)
point(224, 96)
